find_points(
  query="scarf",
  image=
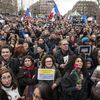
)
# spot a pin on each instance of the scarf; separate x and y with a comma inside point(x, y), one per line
point(28, 68)
point(28, 71)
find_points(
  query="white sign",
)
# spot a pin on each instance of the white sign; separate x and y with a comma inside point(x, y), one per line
point(66, 59)
point(85, 49)
point(46, 74)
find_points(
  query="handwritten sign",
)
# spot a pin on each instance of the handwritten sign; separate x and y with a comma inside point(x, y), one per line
point(46, 74)
point(85, 49)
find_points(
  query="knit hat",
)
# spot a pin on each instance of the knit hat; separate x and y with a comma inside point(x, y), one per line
point(85, 39)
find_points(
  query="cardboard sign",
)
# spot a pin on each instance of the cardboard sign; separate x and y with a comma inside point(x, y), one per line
point(66, 59)
point(85, 49)
point(46, 74)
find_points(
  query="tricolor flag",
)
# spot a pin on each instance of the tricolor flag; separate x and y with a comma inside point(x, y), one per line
point(53, 12)
point(83, 19)
point(28, 16)
point(64, 6)
point(28, 13)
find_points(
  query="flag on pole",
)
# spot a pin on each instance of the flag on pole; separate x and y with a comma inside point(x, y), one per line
point(83, 19)
point(28, 13)
point(53, 12)
point(64, 6)
point(28, 16)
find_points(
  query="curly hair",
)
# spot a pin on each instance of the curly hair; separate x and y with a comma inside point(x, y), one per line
point(70, 65)
point(45, 57)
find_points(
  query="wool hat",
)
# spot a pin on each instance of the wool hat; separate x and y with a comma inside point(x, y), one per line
point(85, 39)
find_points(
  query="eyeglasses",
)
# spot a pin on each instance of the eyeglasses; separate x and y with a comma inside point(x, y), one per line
point(49, 61)
point(4, 78)
point(65, 44)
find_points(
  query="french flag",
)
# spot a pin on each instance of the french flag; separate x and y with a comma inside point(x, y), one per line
point(28, 16)
point(53, 12)
point(28, 13)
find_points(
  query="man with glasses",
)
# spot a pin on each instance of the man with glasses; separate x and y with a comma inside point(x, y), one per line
point(63, 55)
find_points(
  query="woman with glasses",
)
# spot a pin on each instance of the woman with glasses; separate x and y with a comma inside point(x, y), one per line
point(48, 62)
point(8, 84)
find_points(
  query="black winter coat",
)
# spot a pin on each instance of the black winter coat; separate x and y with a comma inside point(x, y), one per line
point(12, 63)
point(25, 78)
point(69, 91)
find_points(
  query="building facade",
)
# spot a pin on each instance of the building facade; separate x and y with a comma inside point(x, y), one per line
point(8, 7)
point(42, 7)
point(88, 8)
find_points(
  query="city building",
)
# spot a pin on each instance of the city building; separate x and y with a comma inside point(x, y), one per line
point(88, 8)
point(8, 7)
point(42, 7)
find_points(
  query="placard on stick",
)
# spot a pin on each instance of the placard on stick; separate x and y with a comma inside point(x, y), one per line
point(85, 49)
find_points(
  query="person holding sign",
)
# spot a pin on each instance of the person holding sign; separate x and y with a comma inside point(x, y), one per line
point(63, 55)
point(74, 81)
point(48, 62)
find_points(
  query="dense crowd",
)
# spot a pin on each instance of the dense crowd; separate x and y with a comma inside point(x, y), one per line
point(71, 49)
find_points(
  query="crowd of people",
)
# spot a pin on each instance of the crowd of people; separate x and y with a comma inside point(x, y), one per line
point(71, 49)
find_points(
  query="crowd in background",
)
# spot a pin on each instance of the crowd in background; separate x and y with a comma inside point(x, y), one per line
point(29, 45)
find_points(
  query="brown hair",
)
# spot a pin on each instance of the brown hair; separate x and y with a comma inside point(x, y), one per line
point(19, 50)
point(6, 70)
point(45, 91)
point(45, 57)
point(28, 57)
point(6, 47)
point(70, 64)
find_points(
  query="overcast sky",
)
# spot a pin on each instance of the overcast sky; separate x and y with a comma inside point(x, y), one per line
point(69, 3)
point(65, 5)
